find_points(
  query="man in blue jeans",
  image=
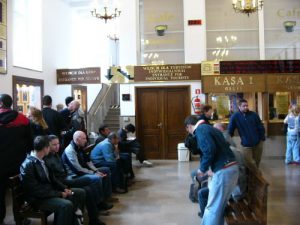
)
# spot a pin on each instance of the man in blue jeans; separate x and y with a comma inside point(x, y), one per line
point(217, 156)
point(106, 153)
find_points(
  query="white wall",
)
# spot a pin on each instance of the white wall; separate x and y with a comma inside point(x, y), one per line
point(128, 107)
point(194, 36)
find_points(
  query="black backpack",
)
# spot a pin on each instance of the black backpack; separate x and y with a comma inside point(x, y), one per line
point(198, 183)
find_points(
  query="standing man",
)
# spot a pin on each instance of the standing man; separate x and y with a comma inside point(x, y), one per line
point(217, 156)
point(53, 119)
point(15, 142)
point(66, 112)
point(251, 131)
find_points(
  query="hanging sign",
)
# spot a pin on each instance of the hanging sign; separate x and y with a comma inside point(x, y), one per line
point(90, 75)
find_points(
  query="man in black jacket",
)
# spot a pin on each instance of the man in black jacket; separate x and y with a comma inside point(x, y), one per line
point(16, 141)
point(44, 191)
point(53, 119)
point(54, 162)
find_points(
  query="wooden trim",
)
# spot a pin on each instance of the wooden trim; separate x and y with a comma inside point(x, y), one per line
point(27, 81)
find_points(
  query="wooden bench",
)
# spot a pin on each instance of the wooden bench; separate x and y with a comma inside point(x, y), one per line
point(21, 209)
point(252, 210)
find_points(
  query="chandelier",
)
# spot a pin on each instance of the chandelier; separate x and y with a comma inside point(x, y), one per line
point(247, 6)
point(106, 16)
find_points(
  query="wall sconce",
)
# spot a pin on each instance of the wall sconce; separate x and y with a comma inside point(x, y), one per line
point(160, 29)
point(289, 26)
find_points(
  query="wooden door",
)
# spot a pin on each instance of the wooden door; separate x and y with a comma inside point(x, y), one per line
point(80, 94)
point(160, 115)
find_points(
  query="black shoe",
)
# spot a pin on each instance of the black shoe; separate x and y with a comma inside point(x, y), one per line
point(105, 206)
point(119, 191)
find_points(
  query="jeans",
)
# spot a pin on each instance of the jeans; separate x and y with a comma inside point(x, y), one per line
point(292, 148)
point(220, 188)
point(117, 176)
point(63, 210)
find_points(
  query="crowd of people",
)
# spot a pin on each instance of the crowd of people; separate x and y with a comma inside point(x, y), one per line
point(48, 150)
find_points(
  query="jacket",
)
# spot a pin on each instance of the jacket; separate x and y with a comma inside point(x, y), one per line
point(250, 128)
point(77, 123)
point(15, 140)
point(216, 152)
point(54, 162)
point(37, 130)
point(54, 121)
point(35, 183)
point(103, 152)
point(76, 162)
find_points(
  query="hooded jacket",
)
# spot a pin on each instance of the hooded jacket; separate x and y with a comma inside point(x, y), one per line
point(15, 140)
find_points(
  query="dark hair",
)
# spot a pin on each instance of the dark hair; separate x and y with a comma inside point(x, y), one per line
point(205, 108)
point(102, 127)
point(40, 142)
point(68, 100)
point(241, 101)
point(112, 135)
point(190, 120)
point(6, 100)
point(130, 128)
point(47, 100)
point(52, 137)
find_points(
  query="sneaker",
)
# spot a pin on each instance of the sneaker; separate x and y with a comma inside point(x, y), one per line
point(147, 163)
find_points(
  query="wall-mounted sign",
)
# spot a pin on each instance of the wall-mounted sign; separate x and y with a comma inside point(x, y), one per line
point(283, 82)
point(194, 22)
point(176, 72)
point(260, 67)
point(90, 75)
point(233, 83)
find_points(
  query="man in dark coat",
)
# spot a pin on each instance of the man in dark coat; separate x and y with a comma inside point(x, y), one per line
point(15, 142)
point(53, 119)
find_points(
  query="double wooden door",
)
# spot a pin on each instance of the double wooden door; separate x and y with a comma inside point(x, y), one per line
point(160, 114)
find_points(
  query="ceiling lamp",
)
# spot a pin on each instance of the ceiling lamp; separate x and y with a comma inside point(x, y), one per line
point(247, 6)
point(106, 16)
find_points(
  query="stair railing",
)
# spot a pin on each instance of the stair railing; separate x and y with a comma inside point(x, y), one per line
point(107, 97)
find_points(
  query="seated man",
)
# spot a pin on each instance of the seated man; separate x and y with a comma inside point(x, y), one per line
point(106, 154)
point(104, 131)
point(44, 191)
point(54, 162)
point(78, 164)
point(131, 146)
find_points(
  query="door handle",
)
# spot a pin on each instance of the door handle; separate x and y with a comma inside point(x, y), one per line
point(159, 125)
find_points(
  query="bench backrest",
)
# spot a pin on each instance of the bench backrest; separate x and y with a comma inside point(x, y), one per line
point(257, 194)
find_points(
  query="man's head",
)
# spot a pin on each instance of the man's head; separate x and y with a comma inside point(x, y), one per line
point(243, 106)
point(113, 138)
point(54, 143)
point(68, 100)
point(5, 101)
point(47, 100)
point(41, 145)
point(130, 128)
point(220, 126)
point(104, 130)
point(79, 138)
point(206, 110)
point(190, 123)
point(74, 106)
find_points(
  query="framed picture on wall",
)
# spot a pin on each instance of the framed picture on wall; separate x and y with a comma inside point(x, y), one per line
point(3, 36)
point(25, 97)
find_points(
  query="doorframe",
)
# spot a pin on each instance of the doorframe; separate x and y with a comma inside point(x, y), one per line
point(137, 116)
point(27, 81)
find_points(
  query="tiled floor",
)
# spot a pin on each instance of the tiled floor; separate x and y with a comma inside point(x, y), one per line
point(159, 196)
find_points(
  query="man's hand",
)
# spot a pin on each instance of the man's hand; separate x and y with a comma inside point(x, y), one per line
point(68, 192)
point(101, 174)
point(200, 173)
point(64, 194)
point(210, 173)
